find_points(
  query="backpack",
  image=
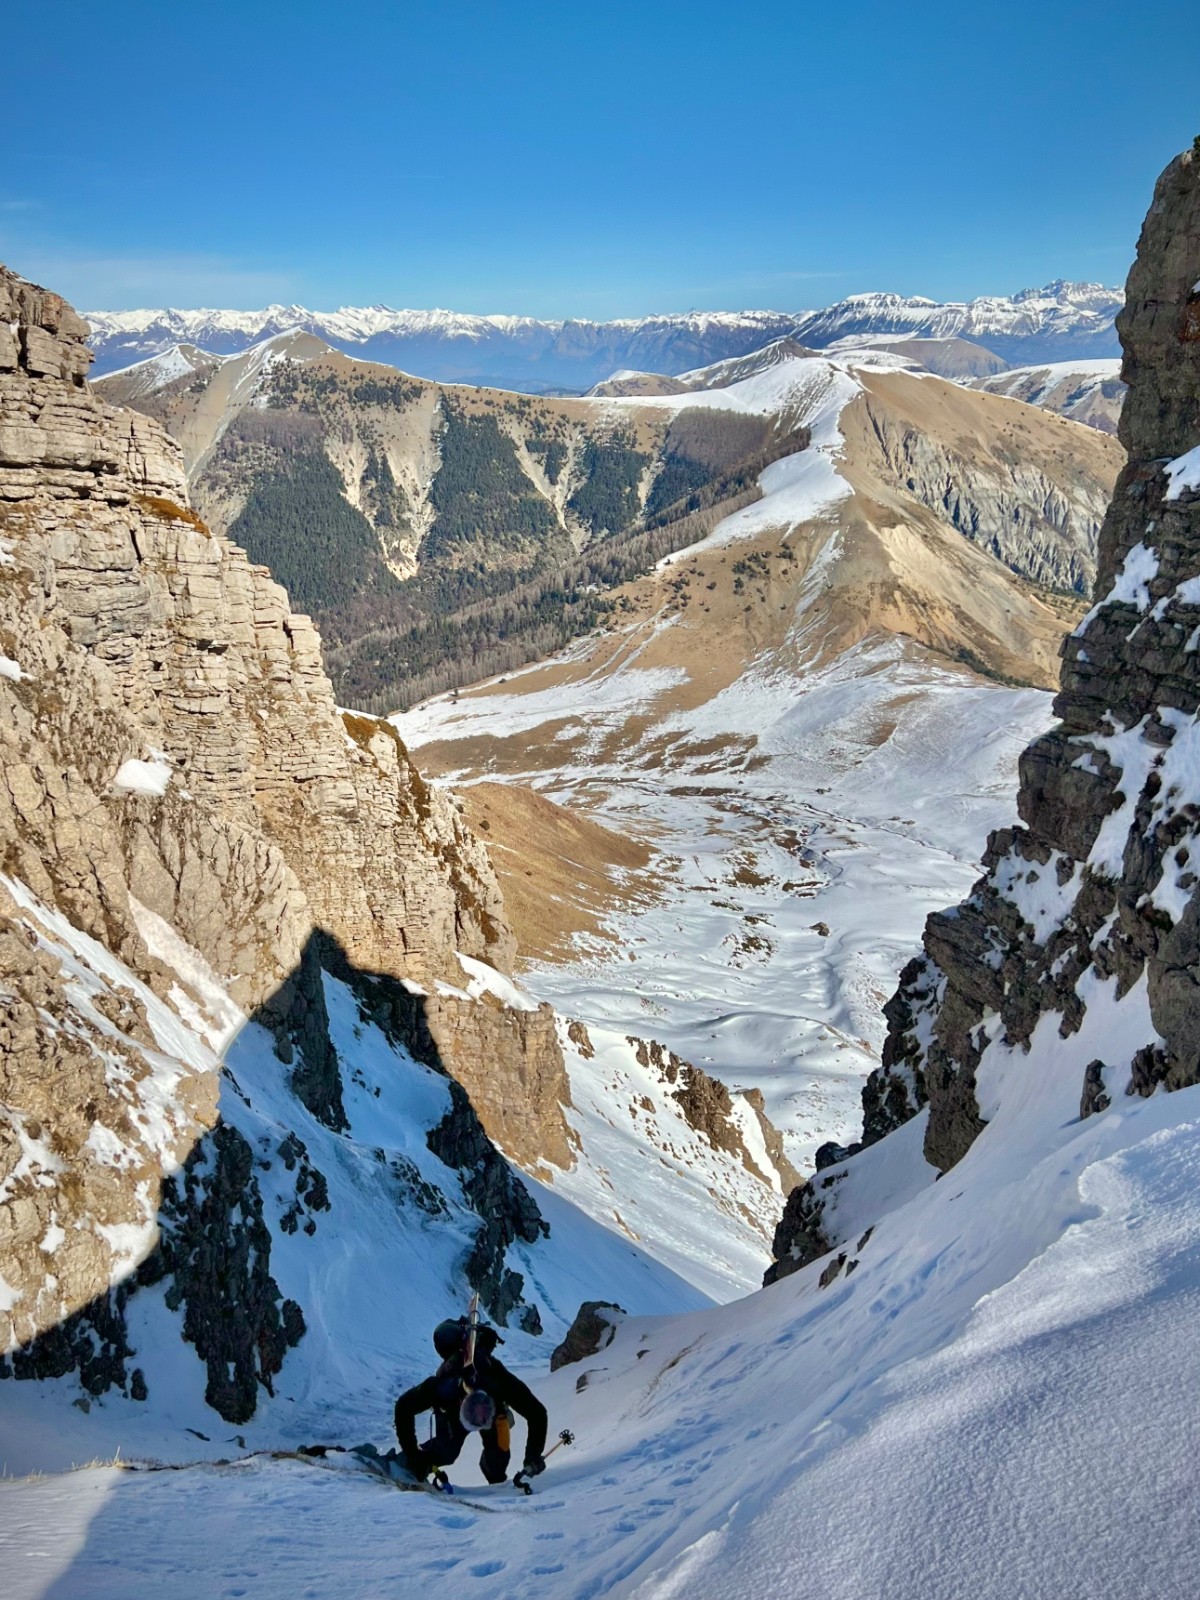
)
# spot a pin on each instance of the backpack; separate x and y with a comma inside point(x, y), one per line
point(450, 1339)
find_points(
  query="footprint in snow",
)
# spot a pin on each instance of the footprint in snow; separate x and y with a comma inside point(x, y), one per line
point(487, 1569)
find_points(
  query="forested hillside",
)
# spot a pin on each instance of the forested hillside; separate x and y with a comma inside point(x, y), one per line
point(443, 534)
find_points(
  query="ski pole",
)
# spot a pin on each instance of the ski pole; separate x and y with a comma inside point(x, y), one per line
point(521, 1480)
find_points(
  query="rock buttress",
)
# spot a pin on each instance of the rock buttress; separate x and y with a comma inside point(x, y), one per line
point(1101, 876)
point(170, 748)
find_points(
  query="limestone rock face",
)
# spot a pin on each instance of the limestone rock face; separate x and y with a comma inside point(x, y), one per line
point(172, 756)
point(707, 1106)
point(1100, 880)
point(1004, 492)
point(205, 655)
point(511, 1064)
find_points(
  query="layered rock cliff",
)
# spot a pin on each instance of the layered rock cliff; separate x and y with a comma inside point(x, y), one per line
point(1092, 900)
point(1028, 488)
point(185, 812)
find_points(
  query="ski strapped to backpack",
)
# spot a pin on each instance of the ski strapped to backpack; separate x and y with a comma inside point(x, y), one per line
point(472, 1332)
point(477, 1412)
point(521, 1480)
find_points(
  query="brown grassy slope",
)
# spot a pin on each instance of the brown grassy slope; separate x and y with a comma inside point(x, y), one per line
point(893, 567)
point(561, 872)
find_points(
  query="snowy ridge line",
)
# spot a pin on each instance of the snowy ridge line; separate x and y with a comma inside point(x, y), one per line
point(362, 322)
point(908, 314)
point(564, 350)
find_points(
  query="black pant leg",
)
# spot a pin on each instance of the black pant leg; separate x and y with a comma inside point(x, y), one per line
point(448, 1440)
point(495, 1455)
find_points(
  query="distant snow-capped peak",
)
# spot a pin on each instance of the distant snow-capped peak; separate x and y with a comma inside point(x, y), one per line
point(1058, 322)
point(1059, 309)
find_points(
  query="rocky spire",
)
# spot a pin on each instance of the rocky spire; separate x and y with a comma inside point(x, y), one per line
point(1100, 884)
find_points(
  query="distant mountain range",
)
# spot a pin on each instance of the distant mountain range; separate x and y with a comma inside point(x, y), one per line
point(439, 535)
point(1063, 321)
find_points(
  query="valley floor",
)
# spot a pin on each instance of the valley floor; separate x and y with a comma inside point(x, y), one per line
point(797, 866)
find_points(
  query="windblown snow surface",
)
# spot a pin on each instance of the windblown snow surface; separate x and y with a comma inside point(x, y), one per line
point(989, 1406)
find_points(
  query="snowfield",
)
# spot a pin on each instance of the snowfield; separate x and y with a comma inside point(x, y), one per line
point(837, 828)
point(954, 1418)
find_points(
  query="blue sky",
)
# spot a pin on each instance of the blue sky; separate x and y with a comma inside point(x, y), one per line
point(586, 160)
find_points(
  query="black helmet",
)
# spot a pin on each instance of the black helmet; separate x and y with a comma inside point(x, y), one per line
point(450, 1336)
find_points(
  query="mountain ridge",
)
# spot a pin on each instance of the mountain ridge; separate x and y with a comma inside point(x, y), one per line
point(578, 493)
point(1057, 321)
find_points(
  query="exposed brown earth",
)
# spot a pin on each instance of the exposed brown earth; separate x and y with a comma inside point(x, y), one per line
point(560, 871)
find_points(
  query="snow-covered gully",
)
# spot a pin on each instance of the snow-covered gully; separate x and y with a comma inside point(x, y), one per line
point(941, 1422)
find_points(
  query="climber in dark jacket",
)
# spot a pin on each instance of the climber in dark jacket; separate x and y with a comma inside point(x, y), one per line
point(469, 1399)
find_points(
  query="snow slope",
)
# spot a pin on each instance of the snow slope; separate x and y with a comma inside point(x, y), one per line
point(875, 782)
point(643, 1166)
point(373, 1263)
point(987, 1406)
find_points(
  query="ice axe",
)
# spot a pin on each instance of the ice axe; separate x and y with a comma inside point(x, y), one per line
point(521, 1480)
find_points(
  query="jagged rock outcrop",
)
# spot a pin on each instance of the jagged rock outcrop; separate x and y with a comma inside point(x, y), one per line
point(508, 1210)
point(594, 1328)
point(216, 1248)
point(708, 1107)
point(173, 766)
point(1098, 885)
